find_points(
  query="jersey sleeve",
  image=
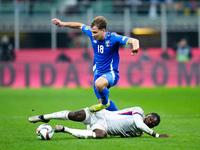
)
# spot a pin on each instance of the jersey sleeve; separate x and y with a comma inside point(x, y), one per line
point(122, 40)
point(87, 30)
point(141, 125)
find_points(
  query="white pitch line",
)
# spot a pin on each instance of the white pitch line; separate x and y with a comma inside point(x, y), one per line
point(14, 117)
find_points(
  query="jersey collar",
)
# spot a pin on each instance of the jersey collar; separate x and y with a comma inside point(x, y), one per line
point(107, 35)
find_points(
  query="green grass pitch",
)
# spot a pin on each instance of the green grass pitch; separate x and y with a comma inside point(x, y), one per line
point(179, 109)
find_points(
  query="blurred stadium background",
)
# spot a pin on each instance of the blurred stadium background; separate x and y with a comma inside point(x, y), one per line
point(40, 54)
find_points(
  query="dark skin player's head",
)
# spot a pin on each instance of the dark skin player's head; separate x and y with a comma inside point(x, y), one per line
point(152, 120)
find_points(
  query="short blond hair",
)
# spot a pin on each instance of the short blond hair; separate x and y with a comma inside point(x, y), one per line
point(100, 22)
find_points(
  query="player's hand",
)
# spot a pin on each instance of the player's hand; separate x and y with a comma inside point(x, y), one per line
point(164, 136)
point(57, 22)
point(136, 46)
point(133, 52)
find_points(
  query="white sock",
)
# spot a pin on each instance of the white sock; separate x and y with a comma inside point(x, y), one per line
point(58, 115)
point(83, 134)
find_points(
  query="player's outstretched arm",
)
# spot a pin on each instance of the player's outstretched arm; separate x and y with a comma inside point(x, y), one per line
point(74, 25)
point(135, 45)
point(143, 127)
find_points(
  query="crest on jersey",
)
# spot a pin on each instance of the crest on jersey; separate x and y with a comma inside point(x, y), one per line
point(107, 43)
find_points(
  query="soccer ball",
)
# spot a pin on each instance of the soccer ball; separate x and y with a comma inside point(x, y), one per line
point(44, 132)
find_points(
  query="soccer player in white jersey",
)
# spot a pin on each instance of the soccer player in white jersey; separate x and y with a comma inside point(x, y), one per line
point(129, 122)
point(106, 57)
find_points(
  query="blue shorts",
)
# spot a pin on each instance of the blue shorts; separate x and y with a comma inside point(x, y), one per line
point(112, 78)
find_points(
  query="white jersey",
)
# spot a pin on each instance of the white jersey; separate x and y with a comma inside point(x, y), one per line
point(127, 122)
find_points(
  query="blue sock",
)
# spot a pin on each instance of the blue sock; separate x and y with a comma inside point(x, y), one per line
point(104, 95)
point(112, 106)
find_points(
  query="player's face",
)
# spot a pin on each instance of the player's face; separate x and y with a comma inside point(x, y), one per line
point(98, 34)
point(150, 121)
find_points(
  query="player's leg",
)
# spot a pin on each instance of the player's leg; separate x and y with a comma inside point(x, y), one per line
point(101, 85)
point(113, 78)
point(83, 134)
point(100, 133)
point(102, 96)
point(94, 130)
point(112, 106)
point(62, 115)
point(98, 106)
point(95, 89)
point(101, 89)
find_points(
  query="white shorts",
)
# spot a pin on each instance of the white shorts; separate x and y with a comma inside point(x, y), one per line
point(96, 120)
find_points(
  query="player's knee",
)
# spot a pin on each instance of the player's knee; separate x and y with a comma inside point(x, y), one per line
point(100, 134)
point(99, 86)
point(77, 115)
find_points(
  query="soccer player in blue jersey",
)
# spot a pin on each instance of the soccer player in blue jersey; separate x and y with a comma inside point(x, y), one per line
point(106, 57)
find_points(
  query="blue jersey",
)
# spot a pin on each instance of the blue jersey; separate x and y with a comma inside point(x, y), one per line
point(106, 52)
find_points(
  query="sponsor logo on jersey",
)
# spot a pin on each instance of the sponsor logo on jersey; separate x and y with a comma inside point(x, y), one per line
point(107, 43)
point(95, 41)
